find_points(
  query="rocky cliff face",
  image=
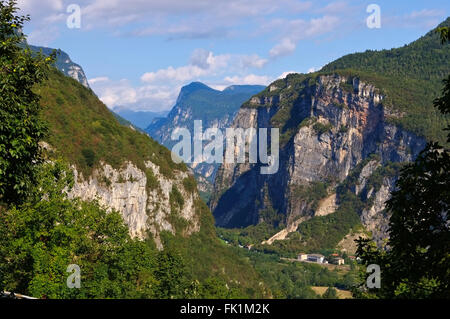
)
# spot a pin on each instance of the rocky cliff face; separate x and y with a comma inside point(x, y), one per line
point(145, 210)
point(120, 166)
point(65, 65)
point(216, 109)
point(330, 126)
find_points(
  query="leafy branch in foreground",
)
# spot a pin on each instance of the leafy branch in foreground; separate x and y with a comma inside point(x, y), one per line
point(20, 126)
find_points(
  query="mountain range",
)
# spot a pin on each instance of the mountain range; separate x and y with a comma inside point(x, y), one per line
point(124, 169)
point(216, 109)
point(345, 132)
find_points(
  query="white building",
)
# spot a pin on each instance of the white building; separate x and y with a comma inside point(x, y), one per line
point(338, 261)
point(317, 258)
point(302, 256)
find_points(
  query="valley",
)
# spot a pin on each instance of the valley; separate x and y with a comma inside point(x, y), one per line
point(99, 187)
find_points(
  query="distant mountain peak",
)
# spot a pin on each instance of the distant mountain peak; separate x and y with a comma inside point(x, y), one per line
point(65, 64)
point(196, 86)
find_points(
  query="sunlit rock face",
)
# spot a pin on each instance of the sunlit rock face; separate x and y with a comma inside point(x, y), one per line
point(328, 127)
point(146, 210)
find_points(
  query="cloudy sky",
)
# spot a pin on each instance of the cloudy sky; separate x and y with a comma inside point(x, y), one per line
point(138, 53)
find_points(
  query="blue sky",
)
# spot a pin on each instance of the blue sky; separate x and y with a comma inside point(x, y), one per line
point(138, 53)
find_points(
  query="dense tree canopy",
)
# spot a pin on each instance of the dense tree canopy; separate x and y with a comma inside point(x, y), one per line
point(20, 126)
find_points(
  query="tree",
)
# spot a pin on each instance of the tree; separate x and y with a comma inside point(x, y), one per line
point(21, 129)
point(171, 273)
point(417, 262)
point(330, 293)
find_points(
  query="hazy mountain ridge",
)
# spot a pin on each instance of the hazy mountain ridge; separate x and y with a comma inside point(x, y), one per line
point(197, 101)
point(140, 119)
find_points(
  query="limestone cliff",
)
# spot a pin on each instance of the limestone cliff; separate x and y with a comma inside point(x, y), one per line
point(332, 127)
point(144, 210)
point(122, 167)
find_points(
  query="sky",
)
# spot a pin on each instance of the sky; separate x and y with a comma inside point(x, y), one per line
point(137, 54)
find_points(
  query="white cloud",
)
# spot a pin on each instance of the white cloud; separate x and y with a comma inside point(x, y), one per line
point(425, 13)
point(204, 63)
point(248, 79)
point(298, 29)
point(98, 80)
point(181, 74)
point(44, 36)
point(425, 19)
point(253, 61)
point(285, 47)
point(172, 18)
point(160, 88)
point(335, 7)
point(115, 93)
point(40, 7)
point(123, 94)
point(284, 74)
point(217, 12)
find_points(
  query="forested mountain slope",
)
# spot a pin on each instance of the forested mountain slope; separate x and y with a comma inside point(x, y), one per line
point(344, 133)
point(128, 171)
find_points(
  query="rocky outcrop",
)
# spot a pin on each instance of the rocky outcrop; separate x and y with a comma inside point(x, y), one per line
point(146, 210)
point(375, 218)
point(327, 206)
point(65, 64)
point(329, 125)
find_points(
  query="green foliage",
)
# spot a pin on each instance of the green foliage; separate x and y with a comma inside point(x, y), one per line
point(321, 232)
point(417, 263)
point(89, 156)
point(343, 129)
point(190, 185)
point(49, 232)
point(171, 272)
point(46, 234)
point(20, 127)
point(311, 193)
point(206, 257)
point(322, 128)
point(176, 199)
point(330, 293)
point(152, 181)
point(416, 68)
point(293, 280)
point(250, 235)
